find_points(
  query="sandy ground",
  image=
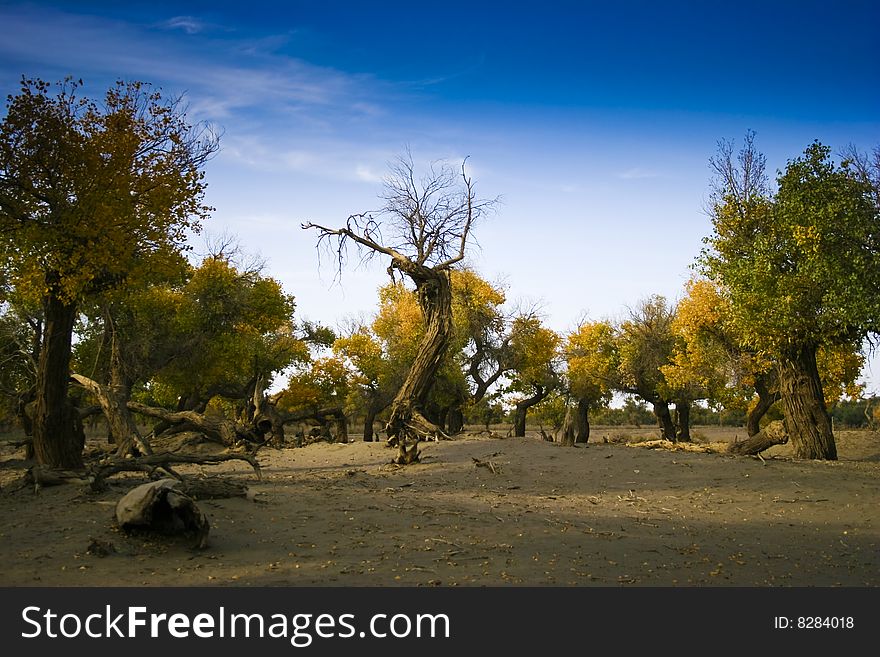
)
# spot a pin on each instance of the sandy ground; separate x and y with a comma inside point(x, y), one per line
point(530, 513)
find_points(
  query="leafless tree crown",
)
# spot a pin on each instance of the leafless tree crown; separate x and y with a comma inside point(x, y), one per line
point(425, 220)
point(741, 177)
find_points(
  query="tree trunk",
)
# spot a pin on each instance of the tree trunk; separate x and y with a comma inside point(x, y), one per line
point(683, 420)
point(114, 406)
point(454, 420)
point(483, 385)
point(266, 419)
point(767, 387)
point(369, 421)
point(58, 434)
point(568, 429)
point(407, 423)
point(519, 414)
point(773, 434)
point(664, 420)
point(806, 416)
point(439, 415)
point(341, 427)
point(582, 421)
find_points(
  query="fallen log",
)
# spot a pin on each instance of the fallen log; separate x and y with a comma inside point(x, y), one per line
point(213, 488)
point(219, 429)
point(98, 473)
point(773, 434)
point(321, 415)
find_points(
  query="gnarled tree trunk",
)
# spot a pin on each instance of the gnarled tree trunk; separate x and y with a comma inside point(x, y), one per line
point(114, 406)
point(767, 387)
point(265, 417)
point(407, 423)
point(806, 416)
point(773, 434)
point(58, 432)
point(369, 422)
point(664, 420)
point(221, 430)
point(522, 408)
point(454, 420)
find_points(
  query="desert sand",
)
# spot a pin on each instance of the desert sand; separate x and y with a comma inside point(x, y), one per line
point(479, 510)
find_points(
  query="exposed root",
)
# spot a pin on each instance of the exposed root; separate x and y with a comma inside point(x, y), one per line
point(407, 455)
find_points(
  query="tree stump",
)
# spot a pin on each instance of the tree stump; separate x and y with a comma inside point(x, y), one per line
point(162, 507)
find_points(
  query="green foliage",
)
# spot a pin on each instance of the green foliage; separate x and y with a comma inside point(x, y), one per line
point(855, 414)
point(646, 342)
point(551, 410)
point(236, 325)
point(210, 333)
point(633, 413)
point(486, 412)
point(802, 267)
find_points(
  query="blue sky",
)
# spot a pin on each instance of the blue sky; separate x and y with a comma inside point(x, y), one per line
point(593, 121)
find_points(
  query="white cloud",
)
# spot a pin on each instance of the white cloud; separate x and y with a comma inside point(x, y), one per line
point(638, 173)
point(223, 76)
point(188, 24)
point(367, 174)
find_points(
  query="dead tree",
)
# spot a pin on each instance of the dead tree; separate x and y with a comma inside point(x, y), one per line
point(263, 415)
point(114, 406)
point(427, 223)
point(323, 416)
point(217, 429)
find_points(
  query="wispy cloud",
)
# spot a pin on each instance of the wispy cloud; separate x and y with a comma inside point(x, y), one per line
point(333, 159)
point(367, 174)
point(222, 75)
point(279, 113)
point(638, 173)
point(188, 24)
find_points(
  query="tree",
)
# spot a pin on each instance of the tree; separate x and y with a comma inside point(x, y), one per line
point(372, 375)
point(233, 326)
point(592, 358)
point(483, 331)
point(21, 330)
point(534, 370)
point(317, 393)
point(709, 361)
point(427, 223)
point(216, 330)
point(646, 343)
point(86, 191)
point(801, 267)
point(379, 355)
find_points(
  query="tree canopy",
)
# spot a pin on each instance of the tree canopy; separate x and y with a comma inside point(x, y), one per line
point(89, 193)
point(800, 266)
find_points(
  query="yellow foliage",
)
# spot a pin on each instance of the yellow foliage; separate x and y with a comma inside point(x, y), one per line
point(591, 355)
